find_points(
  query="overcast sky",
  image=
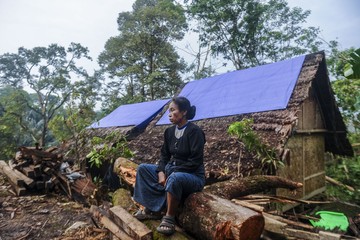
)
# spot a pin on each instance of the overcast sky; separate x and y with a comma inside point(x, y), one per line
point(33, 23)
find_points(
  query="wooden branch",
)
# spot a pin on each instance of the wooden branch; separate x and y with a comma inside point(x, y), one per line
point(248, 205)
point(282, 199)
point(105, 220)
point(133, 227)
point(244, 186)
point(337, 183)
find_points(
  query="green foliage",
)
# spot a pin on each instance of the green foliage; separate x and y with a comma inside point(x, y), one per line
point(108, 149)
point(47, 72)
point(346, 171)
point(254, 145)
point(347, 89)
point(347, 93)
point(252, 32)
point(19, 124)
point(352, 67)
point(141, 61)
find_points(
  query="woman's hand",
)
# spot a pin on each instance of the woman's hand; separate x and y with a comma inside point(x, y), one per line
point(162, 178)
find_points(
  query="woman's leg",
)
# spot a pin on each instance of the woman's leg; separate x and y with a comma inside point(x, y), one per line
point(178, 185)
point(148, 192)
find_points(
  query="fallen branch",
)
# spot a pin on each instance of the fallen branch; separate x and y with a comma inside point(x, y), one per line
point(337, 183)
point(244, 186)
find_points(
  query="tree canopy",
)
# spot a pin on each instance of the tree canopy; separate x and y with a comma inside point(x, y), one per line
point(252, 32)
point(345, 65)
point(47, 73)
point(141, 61)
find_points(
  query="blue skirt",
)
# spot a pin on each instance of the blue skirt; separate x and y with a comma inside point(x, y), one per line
point(152, 195)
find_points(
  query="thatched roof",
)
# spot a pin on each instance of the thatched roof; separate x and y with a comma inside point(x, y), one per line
point(274, 127)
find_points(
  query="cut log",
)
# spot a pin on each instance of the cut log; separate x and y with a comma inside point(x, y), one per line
point(210, 217)
point(103, 217)
point(133, 227)
point(126, 169)
point(16, 182)
point(244, 186)
point(84, 186)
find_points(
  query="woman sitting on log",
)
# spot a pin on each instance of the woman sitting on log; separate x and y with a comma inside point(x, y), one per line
point(179, 173)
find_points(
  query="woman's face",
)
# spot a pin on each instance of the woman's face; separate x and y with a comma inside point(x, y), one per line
point(175, 115)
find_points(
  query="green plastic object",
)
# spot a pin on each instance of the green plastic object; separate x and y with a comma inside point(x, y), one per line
point(331, 220)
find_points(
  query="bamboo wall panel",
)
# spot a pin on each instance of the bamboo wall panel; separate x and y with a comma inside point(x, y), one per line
point(314, 150)
point(314, 183)
point(294, 169)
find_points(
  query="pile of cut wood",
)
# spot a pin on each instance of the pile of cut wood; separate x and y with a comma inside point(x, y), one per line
point(35, 169)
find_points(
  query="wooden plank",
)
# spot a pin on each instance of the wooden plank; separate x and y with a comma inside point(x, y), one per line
point(28, 181)
point(13, 178)
point(273, 225)
point(329, 236)
point(133, 227)
point(29, 171)
point(105, 220)
point(299, 234)
point(37, 170)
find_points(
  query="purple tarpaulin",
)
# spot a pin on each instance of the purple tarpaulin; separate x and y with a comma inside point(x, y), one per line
point(137, 114)
point(257, 89)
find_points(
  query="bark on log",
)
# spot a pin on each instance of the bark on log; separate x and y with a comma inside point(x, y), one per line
point(210, 217)
point(244, 186)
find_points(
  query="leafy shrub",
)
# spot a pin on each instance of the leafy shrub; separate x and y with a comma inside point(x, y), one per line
point(346, 171)
point(108, 149)
point(253, 144)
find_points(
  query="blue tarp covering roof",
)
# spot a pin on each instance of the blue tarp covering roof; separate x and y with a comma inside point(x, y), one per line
point(257, 89)
point(137, 114)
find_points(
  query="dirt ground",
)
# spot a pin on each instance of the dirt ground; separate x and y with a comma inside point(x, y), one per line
point(37, 216)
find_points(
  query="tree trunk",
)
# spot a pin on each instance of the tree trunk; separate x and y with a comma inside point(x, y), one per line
point(207, 216)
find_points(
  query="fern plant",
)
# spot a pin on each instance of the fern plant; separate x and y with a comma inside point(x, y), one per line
point(253, 144)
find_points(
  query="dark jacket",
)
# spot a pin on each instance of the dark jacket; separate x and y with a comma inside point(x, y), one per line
point(186, 153)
